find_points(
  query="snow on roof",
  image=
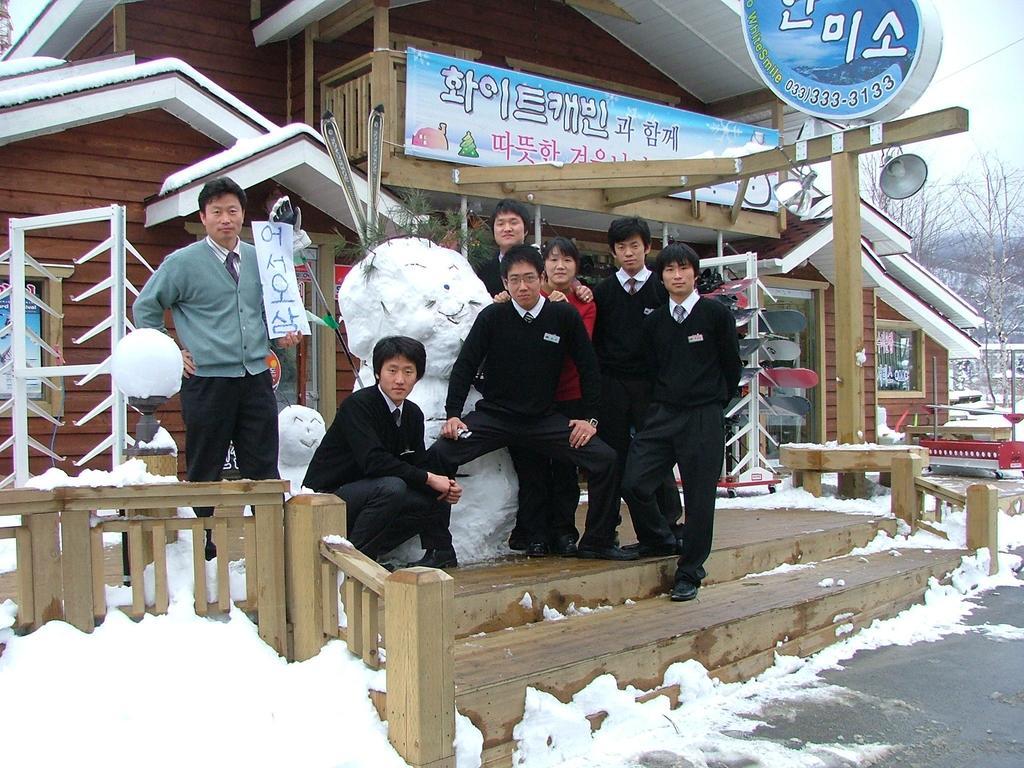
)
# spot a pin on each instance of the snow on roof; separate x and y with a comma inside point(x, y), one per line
point(91, 81)
point(29, 64)
point(242, 150)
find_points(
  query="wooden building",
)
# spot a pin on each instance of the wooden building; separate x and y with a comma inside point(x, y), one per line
point(139, 103)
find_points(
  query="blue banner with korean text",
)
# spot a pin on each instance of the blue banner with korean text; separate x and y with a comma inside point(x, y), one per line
point(464, 112)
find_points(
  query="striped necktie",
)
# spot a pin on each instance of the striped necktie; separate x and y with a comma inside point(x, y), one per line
point(679, 313)
point(231, 264)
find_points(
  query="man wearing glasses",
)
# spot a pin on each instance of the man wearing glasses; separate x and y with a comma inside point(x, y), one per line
point(521, 345)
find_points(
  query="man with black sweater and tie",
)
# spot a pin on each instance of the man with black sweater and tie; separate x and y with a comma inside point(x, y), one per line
point(373, 457)
point(520, 346)
point(694, 358)
point(623, 300)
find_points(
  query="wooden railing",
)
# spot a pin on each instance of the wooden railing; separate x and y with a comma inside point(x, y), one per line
point(60, 554)
point(348, 94)
point(418, 625)
point(294, 554)
point(980, 500)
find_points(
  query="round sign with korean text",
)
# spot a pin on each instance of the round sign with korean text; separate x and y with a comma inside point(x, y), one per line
point(844, 60)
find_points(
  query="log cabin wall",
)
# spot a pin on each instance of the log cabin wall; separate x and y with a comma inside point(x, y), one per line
point(123, 161)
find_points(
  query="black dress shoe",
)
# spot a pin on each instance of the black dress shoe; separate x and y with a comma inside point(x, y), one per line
point(683, 591)
point(610, 552)
point(438, 558)
point(537, 549)
point(517, 544)
point(564, 545)
point(652, 550)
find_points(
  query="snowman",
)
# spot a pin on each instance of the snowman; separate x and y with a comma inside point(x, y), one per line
point(412, 287)
point(300, 431)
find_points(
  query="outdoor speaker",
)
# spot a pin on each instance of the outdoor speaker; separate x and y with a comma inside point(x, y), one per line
point(797, 195)
point(903, 176)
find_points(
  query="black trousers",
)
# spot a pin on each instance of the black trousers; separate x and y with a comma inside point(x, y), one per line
point(384, 512)
point(624, 406)
point(549, 490)
point(220, 410)
point(549, 436)
point(693, 438)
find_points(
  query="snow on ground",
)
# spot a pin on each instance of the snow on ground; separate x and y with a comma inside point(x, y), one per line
point(138, 679)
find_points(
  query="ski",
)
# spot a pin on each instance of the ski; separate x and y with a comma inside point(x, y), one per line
point(375, 154)
point(742, 316)
point(782, 321)
point(336, 149)
point(799, 378)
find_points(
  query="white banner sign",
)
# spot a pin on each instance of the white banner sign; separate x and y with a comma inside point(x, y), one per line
point(282, 302)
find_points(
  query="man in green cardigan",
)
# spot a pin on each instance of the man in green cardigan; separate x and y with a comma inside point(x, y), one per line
point(212, 289)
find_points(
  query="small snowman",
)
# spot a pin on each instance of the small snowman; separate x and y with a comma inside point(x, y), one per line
point(412, 287)
point(300, 431)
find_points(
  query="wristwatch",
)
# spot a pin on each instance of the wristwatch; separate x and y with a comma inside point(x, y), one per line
point(592, 422)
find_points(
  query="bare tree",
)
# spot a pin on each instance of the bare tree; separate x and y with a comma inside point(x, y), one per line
point(990, 221)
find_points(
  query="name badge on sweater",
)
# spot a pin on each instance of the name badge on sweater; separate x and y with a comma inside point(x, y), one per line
point(648, 310)
point(552, 337)
point(695, 338)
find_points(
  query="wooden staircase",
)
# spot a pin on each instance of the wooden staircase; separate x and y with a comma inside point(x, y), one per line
point(734, 628)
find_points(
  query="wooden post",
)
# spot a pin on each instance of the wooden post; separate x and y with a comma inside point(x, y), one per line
point(419, 620)
point(270, 578)
point(849, 311)
point(905, 500)
point(77, 569)
point(307, 519)
point(983, 521)
point(46, 568)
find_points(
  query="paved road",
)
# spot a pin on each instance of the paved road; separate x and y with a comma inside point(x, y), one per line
point(954, 703)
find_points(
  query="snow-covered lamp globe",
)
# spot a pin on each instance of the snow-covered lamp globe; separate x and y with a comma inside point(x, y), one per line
point(146, 366)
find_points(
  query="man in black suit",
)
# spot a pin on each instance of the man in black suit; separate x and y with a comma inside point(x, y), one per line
point(373, 457)
point(521, 345)
point(694, 360)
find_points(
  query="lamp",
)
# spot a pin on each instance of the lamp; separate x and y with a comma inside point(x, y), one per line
point(797, 194)
point(146, 366)
point(902, 176)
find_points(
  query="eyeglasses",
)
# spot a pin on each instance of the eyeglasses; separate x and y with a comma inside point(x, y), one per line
point(522, 279)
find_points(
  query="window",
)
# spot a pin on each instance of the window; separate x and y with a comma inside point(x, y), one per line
point(899, 359)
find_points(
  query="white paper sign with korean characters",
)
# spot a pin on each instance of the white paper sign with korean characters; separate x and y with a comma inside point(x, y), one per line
point(282, 302)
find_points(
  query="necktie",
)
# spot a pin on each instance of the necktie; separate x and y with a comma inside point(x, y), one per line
point(527, 318)
point(397, 414)
point(631, 285)
point(679, 313)
point(231, 264)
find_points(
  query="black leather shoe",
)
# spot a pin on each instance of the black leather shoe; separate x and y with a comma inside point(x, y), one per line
point(517, 544)
point(537, 549)
point(649, 550)
point(564, 545)
point(611, 552)
point(438, 558)
point(683, 591)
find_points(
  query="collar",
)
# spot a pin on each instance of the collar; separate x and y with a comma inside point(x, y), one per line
point(688, 303)
point(536, 307)
point(222, 253)
point(392, 405)
point(640, 277)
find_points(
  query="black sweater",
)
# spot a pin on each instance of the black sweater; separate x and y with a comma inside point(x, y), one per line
point(695, 362)
point(364, 442)
point(617, 331)
point(522, 362)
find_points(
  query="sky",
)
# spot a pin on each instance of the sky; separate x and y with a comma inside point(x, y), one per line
point(982, 56)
